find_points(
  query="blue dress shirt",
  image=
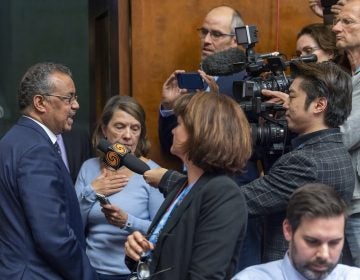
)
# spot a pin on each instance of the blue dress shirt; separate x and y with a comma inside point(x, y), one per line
point(284, 270)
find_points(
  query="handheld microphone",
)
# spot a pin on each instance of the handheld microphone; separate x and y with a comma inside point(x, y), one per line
point(224, 63)
point(118, 155)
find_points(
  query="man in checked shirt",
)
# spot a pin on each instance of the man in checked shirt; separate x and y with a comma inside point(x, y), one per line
point(319, 102)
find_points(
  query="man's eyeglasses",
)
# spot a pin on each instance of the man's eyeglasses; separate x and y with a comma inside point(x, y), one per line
point(215, 35)
point(67, 99)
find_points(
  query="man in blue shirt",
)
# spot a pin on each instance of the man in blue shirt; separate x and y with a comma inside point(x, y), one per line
point(314, 227)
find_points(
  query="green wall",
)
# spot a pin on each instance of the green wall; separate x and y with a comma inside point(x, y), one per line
point(42, 30)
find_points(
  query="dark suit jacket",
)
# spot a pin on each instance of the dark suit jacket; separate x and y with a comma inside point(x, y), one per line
point(41, 234)
point(203, 236)
point(320, 157)
point(167, 124)
point(78, 149)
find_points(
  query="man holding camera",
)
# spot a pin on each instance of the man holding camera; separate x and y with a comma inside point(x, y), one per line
point(217, 33)
point(346, 27)
point(319, 102)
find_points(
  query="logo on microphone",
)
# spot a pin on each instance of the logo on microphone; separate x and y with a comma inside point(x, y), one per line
point(121, 149)
point(112, 160)
point(113, 156)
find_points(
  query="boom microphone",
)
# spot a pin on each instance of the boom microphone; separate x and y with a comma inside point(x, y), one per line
point(224, 63)
point(118, 155)
point(306, 58)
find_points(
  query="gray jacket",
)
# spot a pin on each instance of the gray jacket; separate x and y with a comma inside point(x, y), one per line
point(351, 139)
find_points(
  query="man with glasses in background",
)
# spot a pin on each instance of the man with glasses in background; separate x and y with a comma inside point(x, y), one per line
point(347, 30)
point(42, 235)
point(217, 33)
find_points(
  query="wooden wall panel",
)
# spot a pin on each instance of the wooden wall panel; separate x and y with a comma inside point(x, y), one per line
point(164, 38)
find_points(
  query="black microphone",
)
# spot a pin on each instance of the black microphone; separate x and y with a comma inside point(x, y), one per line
point(304, 58)
point(224, 63)
point(118, 155)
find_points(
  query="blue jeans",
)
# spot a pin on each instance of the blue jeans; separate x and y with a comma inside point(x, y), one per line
point(352, 232)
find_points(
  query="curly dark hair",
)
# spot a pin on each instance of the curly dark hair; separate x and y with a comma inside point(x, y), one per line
point(36, 81)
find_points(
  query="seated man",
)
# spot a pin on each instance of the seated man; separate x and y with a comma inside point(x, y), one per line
point(314, 227)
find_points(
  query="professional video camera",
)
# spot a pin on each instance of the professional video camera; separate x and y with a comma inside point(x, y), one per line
point(265, 71)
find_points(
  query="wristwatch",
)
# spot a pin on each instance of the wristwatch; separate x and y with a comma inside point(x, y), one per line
point(127, 225)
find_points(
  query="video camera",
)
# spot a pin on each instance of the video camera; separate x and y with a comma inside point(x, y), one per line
point(265, 71)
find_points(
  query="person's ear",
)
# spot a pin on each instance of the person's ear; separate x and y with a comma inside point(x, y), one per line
point(287, 230)
point(39, 103)
point(320, 105)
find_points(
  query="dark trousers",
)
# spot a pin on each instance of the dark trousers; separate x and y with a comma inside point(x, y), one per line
point(252, 247)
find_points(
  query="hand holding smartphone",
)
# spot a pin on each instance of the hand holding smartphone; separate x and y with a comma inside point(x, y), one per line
point(102, 198)
point(191, 81)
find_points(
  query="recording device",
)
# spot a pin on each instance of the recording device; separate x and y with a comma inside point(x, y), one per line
point(246, 35)
point(118, 155)
point(191, 81)
point(264, 71)
point(328, 16)
point(228, 62)
point(102, 198)
point(274, 66)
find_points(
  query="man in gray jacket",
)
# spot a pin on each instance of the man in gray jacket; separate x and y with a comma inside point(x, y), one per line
point(319, 102)
point(347, 28)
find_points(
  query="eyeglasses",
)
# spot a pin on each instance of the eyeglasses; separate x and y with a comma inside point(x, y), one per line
point(306, 51)
point(143, 267)
point(67, 99)
point(143, 270)
point(344, 21)
point(215, 35)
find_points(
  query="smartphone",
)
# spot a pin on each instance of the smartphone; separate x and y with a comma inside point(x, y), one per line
point(328, 16)
point(102, 198)
point(190, 81)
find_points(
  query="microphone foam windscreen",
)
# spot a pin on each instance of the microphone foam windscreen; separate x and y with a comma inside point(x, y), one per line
point(103, 145)
point(135, 164)
point(226, 62)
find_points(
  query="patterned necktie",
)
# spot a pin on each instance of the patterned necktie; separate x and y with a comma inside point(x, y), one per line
point(57, 148)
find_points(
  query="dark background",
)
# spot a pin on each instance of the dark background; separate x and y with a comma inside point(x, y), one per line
point(37, 31)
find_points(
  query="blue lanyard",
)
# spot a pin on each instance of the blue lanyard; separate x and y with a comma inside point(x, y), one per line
point(155, 234)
